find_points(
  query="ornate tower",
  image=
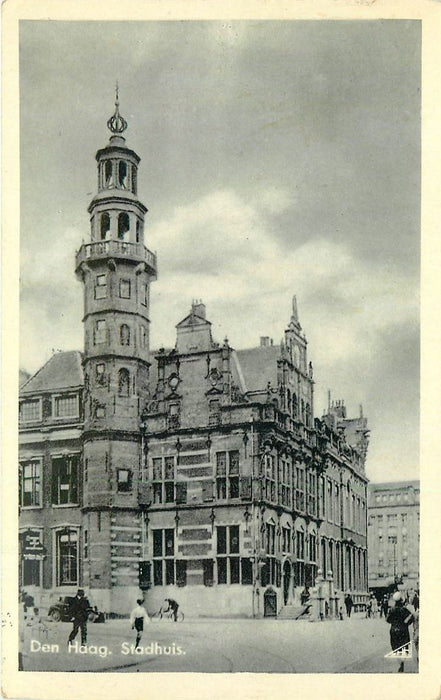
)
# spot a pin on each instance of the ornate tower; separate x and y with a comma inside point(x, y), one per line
point(116, 269)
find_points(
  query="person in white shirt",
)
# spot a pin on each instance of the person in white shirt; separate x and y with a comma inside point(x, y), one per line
point(137, 618)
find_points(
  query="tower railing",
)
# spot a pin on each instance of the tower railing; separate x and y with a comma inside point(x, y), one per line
point(120, 249)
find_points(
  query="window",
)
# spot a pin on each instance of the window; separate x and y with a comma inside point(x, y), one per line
point(67, 557)
point(30, 566)
point(269, 466)
point(100, 373)
point(142, 337)
point(124, 289)
point(124, 334)
point(30, 486)
point(123, 225)
point(163, 472)
point(286, 482)
point(134, 173)
point(144, 295)
point(286, 540)
point(322, 496)
point(300, 489)
point(228, 560)
point(100, 287)
point(122, 174)
point(214, 416)
point(100, 332)
point(124, 479)
point(270, 572)
point(30, 410)
point(65, 406)
point(100, 410)
point(123, 382)
point(65, 480)
point(105, 226)
point(227, 474)
point(138, 230)
point(163, 557)
point(312, 485)
point(108, 173)
point(312, 548)
point(174, 415)
point(86, 552)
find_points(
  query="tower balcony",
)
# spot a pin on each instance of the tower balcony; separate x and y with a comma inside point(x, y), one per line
point(116, 249)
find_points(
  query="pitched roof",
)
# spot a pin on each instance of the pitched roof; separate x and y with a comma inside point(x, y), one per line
point(63, 371)
point(259, 366)
point(23, 377)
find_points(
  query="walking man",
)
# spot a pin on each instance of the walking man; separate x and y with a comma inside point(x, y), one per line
point(79, 612)
point(349, 603)
point(399, 618)
point(138, 616)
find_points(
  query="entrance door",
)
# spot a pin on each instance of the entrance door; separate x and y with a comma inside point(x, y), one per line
point(286, 581)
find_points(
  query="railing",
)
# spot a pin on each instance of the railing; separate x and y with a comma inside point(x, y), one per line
point(118, 249)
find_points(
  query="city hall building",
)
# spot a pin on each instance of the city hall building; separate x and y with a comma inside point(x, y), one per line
point(199, 472)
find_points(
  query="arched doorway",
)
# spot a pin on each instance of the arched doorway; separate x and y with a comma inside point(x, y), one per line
point(286, 581)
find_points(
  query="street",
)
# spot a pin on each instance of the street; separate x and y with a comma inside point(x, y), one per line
point(355, 645)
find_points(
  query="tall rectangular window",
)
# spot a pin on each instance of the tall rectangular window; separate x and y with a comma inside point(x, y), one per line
point(227, 474)
point(164, 565)
point(65, 480)
point(100, 287)
point(99, 332)
point(30, 486)
point(228, 560)
point(221, 475)
point(124, 289)
point(67, 557)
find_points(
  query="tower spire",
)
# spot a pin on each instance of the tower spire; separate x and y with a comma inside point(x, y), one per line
point(117, 124)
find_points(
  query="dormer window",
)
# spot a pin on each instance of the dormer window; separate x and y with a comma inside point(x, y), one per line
point(65, 406)
point(30, 410)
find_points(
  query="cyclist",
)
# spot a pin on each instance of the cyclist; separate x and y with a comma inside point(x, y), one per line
point(173, 607)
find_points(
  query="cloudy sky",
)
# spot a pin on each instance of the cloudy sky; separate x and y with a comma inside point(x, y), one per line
point(278, 158)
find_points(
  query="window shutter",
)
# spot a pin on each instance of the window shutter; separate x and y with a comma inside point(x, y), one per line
point(54, 483)
point(181, 492)
point(207, 491)
point(245, 487)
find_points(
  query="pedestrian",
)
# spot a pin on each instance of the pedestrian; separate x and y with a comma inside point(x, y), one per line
point(304, 595)
point(374, 609)
point(138, 616)
point(79, 612)
point(173, 606)
point(369, 608)
point(349, 604)
point(399, 618)
point(384, 606)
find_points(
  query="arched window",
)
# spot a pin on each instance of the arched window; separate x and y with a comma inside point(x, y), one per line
point(108, 174)
point(123, 225)
point(124, 334)
point(123, 382)
point(122, 174)
point(288, 399)
point(104, 226)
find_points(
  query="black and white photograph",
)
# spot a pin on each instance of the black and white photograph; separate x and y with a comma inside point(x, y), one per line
point(219, 346)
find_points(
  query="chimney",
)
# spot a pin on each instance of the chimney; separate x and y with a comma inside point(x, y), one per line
point(198, 308)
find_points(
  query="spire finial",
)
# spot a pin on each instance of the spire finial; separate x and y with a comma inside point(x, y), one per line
point(117, 124)
point(295, 314)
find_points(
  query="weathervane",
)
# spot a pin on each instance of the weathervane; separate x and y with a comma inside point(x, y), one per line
point(117, 124)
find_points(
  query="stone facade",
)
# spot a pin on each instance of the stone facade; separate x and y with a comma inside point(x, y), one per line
point(199, 472)
point(393, 534)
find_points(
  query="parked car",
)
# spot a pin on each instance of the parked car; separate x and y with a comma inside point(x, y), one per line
point(61, 610)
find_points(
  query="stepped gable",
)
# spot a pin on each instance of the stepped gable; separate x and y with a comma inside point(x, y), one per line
point(259, 366)
point(64, 370)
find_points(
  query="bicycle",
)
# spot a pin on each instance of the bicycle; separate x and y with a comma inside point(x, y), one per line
point(168, 614)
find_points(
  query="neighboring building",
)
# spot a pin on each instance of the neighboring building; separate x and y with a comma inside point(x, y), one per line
point(203, 476)
point(394, 535)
